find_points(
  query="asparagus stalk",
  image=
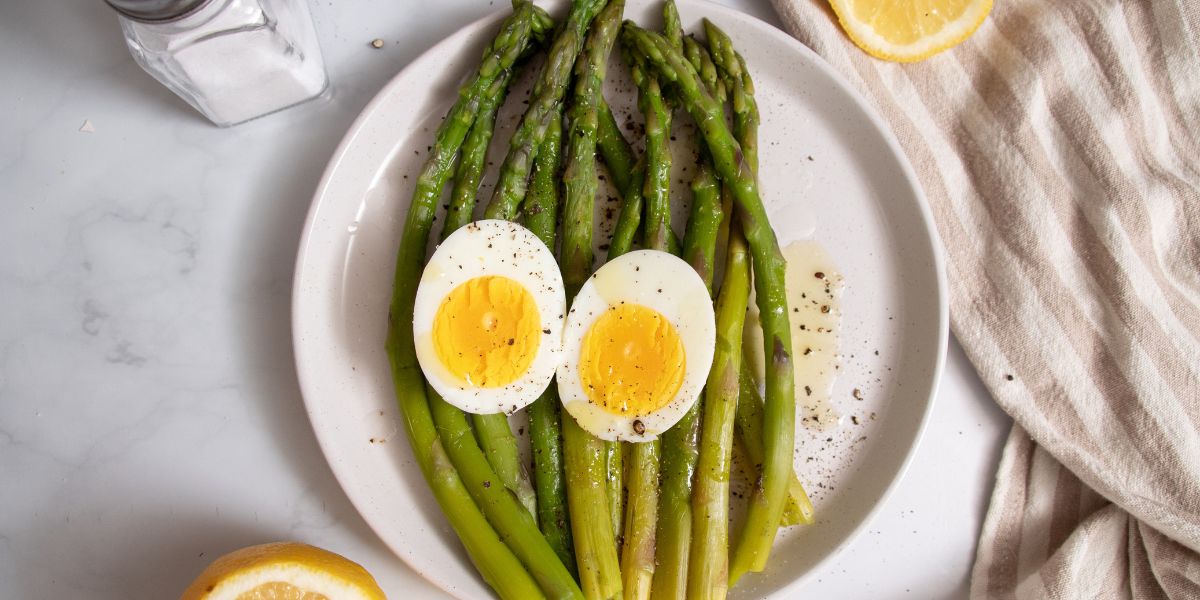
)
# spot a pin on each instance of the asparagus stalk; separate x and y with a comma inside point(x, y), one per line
point(657, 183)
point(587, 464)
point(542, 203)
point(629, 220)
point(586, 469)
point(704, 222)
point(543, 23)
point(499, 446)
point(623, 169)
point(545, 425)
point(767, 501)
point(497, 564)
point(673, 537)
point(641, 516)
point(579, 176)
point(676, 533)
point(614, 478)
point(641, 510)
point(672, 25)
point(474, 156)
point(615, 150)
point(547, 95)
point(492, 431)
point(709, 562)
point(741, 91)
point(711, 206)
point(799, 508)
point(680, 443)
point(495, 561)
point(512, 521)
point(702, 61)
point(732, 67)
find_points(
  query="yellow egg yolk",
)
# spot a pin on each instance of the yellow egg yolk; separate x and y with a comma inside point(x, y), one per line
point(632, 360)
point(487, 331)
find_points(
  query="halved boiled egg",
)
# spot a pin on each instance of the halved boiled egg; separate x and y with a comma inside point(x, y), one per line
point(488, 318)
point(638, 346)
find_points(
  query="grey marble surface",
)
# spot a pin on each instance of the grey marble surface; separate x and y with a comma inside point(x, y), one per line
point(150, 418)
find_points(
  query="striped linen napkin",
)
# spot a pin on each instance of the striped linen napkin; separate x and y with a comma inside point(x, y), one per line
point(1059, 148)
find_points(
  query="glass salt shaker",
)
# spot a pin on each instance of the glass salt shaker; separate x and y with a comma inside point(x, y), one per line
point(233, 60)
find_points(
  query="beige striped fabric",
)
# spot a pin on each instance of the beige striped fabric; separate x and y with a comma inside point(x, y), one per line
point(1059, 148)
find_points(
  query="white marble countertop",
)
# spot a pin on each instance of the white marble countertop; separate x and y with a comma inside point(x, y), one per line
point(150, 418)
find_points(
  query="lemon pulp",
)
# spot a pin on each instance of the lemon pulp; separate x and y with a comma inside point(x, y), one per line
point(912, 30)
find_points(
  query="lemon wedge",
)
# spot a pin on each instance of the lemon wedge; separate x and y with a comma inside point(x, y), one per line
point(284, 571)
point(908, 31)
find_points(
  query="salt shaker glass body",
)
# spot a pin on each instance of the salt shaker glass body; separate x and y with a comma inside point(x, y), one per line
point(233, 60)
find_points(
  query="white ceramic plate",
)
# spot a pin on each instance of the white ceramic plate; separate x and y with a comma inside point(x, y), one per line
point(830, 171)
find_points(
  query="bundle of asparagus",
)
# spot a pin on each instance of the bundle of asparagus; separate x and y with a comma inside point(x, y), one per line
point(599, 520)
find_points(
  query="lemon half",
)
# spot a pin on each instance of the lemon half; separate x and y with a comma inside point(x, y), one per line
point(284, 571)
point(908, 31)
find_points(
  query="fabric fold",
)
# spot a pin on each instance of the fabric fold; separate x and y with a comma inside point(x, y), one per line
point(1059, 148)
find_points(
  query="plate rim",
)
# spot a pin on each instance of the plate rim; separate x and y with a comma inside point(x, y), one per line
point(464, 33)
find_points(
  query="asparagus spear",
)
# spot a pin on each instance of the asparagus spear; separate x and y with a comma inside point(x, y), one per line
point(474, 156)
point(492, 431)
point(767, 501)
point(496, 562)
point(618, 157)
point(641, 515)
point(641, 509)
point(497, 440)
point(541, 205)
point(672, 26)
point(514, 524)
point(799, 508)
point(614, 478)
point(543, 23)
point(545, 425)
point(656, 187)
point(733, 70)
point(741, 91)
point(709, 562)
point(679, 444)
point(704, 222)
point(615, 150)
point(703, 63)
point(712, 204)
point(586, 461)
point(499, 446)
point(630, 218)
point(547, 95)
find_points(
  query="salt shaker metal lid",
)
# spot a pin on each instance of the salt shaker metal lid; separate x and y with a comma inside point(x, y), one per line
point(156, 11)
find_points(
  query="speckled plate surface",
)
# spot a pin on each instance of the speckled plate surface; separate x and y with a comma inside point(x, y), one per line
point(830, 172)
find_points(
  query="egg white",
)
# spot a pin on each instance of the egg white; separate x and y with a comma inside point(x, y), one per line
point(659, 281)
point(482, 248)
